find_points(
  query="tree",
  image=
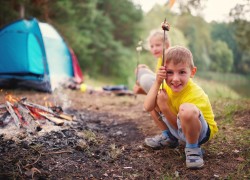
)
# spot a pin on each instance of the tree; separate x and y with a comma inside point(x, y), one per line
point(197, 32)
point(100, 32)
point(124, 17)
point(221, 57)
point(226, 33)
point(240, 14)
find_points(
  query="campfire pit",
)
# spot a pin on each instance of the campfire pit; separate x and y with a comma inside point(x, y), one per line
point(22, 115)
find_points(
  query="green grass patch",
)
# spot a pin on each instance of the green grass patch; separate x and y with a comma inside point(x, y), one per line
point(216, 90)
point(237, 82)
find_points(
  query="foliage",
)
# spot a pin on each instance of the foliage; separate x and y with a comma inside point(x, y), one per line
point(156, 16)
point(188, 6)
point(221, 57)
point(239, 83)
point(100, 32)
point(197, 33)
point(240, 14)
point(104, 33)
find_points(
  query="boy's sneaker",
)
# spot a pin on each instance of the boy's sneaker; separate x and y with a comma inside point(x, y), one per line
point(194, 158)
point(160, 141)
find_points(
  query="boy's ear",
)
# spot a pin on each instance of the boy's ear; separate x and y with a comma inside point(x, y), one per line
point(193, 72)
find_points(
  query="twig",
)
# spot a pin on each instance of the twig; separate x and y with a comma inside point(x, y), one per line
point(27, 165)
point(57, 152)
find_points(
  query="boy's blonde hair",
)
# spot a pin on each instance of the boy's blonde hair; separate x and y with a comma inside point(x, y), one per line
point(179, 54)
point(157, 33)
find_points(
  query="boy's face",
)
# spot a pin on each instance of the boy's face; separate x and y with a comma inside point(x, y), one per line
point(156, 46)
point(178, 75)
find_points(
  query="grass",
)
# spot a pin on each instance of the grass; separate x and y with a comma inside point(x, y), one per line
point(115, 152)
point(233, 137)
point(237, 82)
point(216, 90)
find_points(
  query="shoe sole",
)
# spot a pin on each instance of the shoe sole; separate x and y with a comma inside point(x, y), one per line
point(196, 167)
point(154, 148)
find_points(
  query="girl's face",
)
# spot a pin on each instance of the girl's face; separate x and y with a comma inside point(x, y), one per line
point(156, 46)
point(178, 75)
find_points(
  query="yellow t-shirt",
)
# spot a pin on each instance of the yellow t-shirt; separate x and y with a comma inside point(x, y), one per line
point(194, 94)
point(159, 64)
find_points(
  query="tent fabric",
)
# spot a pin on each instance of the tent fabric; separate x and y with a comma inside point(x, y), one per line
point(78, 76)
point(33, 54)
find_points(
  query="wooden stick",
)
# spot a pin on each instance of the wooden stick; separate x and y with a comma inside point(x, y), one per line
point(31, 124)
point(2, 106)
point(66, 117)
point(13, 114)
point(48, 110)
point(2, 118)
point(38, 107)
point(55, 120)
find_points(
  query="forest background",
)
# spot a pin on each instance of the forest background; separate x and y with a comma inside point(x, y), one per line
point(105, 33)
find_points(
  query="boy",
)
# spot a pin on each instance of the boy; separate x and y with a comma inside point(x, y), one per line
point(182, 105)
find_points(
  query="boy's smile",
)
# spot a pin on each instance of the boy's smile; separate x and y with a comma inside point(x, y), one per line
point(178, 75)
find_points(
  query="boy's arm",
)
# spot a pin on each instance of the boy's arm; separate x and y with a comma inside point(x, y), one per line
point(150, 101)
point(163, 103)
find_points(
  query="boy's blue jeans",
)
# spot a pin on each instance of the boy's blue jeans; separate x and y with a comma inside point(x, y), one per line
point(204, 135)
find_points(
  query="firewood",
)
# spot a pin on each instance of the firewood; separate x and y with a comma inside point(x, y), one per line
point(55, 120)
point(3, 109)
point(2, 106)
point(2, 118)
point(13, 114)
point(66, 117)
point(31, 125)
point(47, 110)
point(37, 106)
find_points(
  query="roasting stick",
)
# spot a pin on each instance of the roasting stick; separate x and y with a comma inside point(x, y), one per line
point(138, 49)
point(165, 27)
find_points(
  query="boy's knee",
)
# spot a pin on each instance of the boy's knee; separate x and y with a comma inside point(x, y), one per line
point(188, 111)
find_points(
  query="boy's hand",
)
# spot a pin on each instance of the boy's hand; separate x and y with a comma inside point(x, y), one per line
point(162, 98)
point(161, 74)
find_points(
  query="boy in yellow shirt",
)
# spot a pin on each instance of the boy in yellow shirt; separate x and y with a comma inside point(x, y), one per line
point(182, 105)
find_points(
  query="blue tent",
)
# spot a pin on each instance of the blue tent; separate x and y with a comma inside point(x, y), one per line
point(33, 55)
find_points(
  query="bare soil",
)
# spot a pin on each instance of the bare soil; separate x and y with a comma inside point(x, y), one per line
point(106, 142)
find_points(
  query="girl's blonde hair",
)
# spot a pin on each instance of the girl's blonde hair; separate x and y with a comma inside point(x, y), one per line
point(179, 54)
point(157, 33)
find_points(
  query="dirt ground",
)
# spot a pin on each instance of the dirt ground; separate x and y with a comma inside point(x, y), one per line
point(106, 142)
